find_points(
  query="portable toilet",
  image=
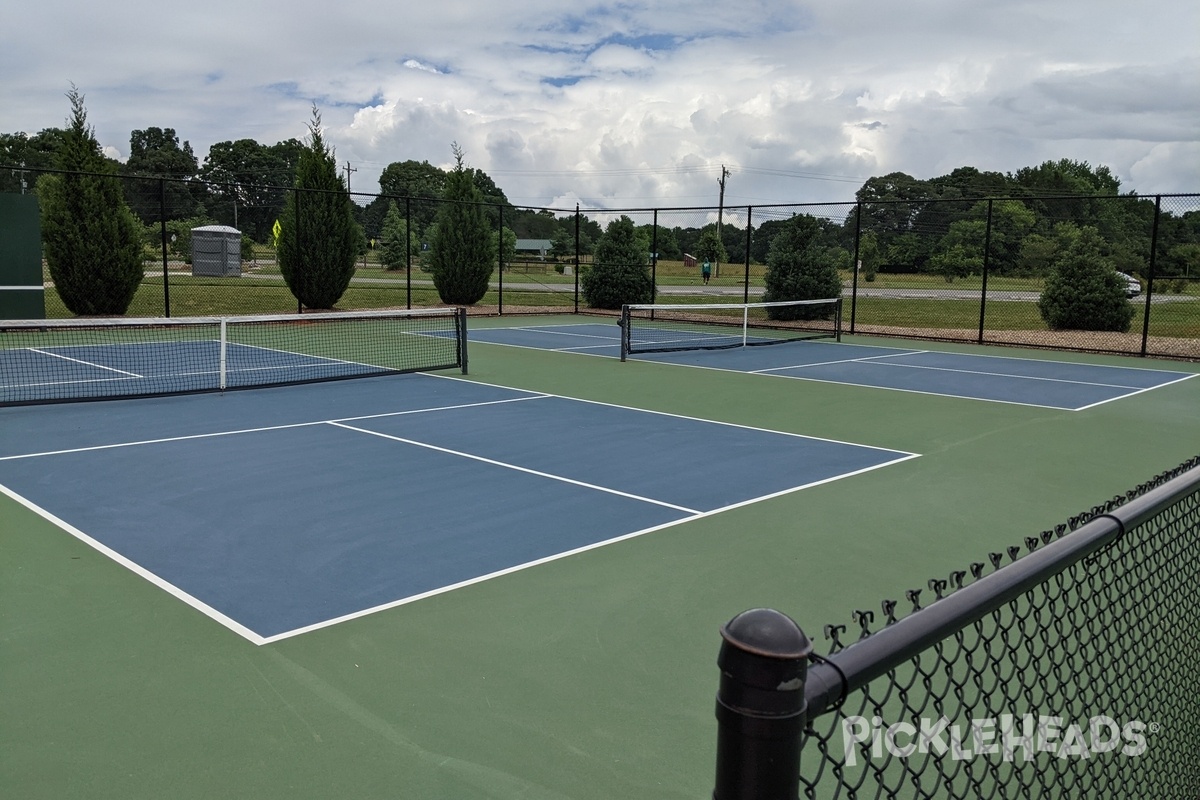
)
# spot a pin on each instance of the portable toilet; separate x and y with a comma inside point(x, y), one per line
point(217, 250)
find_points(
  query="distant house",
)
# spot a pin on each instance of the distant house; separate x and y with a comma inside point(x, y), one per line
point(530, 248)
point(689, 260)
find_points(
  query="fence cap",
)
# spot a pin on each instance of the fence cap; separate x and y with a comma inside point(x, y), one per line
point(767, 633)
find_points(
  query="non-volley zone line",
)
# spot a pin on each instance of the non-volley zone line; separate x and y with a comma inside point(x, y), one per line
point(167, 359)
point(401, 505)
point(586, 338)
point(266, 428)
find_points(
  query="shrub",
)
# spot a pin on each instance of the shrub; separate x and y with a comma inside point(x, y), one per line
point(618, 274)
point(798, 269)
point(1083, 291)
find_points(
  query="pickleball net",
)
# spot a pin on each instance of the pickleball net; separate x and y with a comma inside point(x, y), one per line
point(661, 327)
point(44, 361)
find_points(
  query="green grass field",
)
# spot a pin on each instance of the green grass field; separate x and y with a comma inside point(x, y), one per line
point(260, 290)
point(590, 677)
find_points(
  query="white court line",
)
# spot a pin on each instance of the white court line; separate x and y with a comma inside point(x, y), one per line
point(681, 416)
point(549, 332)
point(568, 553)
point(898, 352)
point(609, 341)
point(138, 569)
point(771, 371)
point(585, 347)
point(1139, 391)
point(774, 372)
point(324, 360)
point(71, 382)
point(515, 467)
point(864, 359)
point(573, 350)
point(1008, 375)
point(86, 363)
point(320, 362)
point(258, 639)
point(869, 386)
point(879, 361)
point(270, 428)
point(1040, 360)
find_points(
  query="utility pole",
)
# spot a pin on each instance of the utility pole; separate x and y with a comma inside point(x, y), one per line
point(348, 169)
point(720, 214)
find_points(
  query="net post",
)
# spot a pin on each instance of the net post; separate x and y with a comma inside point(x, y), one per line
point(222, 369)
point(837, 321)
point(761, 710)
point(623, 324)
point(745, 325)
point(461, 324)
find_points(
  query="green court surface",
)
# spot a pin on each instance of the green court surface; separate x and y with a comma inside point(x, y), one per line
point(591, 676)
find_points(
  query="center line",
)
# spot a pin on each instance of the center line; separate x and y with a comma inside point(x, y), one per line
point(527, 470)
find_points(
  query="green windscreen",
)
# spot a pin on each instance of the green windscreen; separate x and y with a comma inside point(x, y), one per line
point(21, 292)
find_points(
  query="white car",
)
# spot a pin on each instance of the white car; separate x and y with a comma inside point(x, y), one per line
point(1133, 287)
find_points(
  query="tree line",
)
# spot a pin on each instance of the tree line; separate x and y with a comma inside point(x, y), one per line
point(953, 225)
point(910, 224)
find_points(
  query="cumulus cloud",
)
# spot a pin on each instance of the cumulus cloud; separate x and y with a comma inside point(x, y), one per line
point(639, 103)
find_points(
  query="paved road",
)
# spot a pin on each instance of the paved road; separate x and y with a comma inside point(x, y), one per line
point(755, 291)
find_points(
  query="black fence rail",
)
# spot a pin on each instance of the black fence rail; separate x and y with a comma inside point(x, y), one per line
point(953, 269)
point(1066, 667)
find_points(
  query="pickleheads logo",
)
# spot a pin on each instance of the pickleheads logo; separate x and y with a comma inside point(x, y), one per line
point(1004, 736)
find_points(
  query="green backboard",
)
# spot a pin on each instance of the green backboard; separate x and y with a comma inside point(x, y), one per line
point(21, 292)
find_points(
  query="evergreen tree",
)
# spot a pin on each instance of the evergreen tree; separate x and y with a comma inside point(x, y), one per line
point(93, 242)
point(797, 269)
point(318, 238)
point(395, 242)
point(618, 274)
point(1083, 291)
point(462, 249)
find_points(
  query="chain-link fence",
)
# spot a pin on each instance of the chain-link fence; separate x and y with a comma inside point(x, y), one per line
point(968, 270)
point(981, 272)
point(1066, 667)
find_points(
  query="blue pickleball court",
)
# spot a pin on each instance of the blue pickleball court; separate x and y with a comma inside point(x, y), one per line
point(277, 511)
point(1067, 385)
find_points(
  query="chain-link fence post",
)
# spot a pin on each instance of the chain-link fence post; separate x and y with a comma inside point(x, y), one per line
point(761, 711)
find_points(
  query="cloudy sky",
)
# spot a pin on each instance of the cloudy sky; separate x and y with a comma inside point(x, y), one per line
point(636, 103)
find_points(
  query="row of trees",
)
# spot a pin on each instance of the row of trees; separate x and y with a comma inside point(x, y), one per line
point(464, 220)
point(93, 238)
point(908, 224)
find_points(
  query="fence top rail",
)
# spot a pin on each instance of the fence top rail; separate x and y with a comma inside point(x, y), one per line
point(834, 677)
